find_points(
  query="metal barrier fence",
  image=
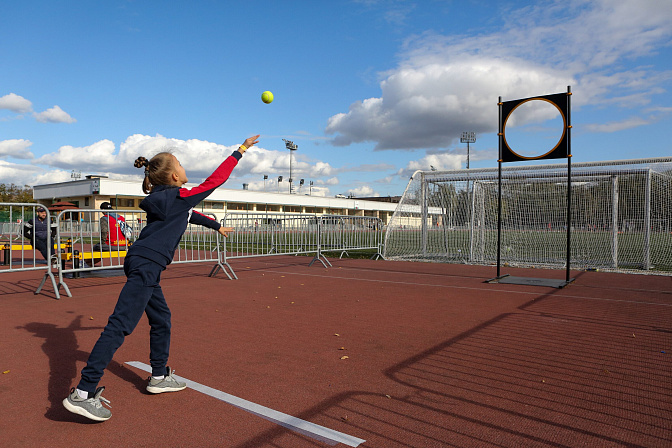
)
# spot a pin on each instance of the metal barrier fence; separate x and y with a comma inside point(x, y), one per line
point(20, 253)
point(348, 233)
point(99, 240)
point(95, 240)
point(268, 234)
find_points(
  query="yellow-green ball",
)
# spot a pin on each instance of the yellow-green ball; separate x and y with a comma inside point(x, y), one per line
point(267, 97)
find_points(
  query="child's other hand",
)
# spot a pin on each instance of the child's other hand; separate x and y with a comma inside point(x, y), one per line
point(225, 230)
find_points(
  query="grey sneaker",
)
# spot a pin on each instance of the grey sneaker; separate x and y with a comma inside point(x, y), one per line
point(167, 384)
point(88, 407)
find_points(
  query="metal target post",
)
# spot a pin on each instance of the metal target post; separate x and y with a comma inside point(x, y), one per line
point(569, 182)
point(562, 102)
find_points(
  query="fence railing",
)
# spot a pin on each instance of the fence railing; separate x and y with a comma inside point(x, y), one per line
point(99, 240)
point(95, 240)
point(269, 234)
point(19, 253)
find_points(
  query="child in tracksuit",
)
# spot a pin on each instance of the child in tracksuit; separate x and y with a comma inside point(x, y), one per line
point(169, 209)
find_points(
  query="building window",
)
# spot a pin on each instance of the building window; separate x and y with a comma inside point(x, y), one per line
point(86, 202)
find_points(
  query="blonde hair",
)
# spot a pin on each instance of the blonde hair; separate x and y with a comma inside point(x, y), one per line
point(158, 170)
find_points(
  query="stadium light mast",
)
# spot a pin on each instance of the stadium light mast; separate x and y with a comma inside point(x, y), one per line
point(468, 137)
point(265, 178)
point(292, 147)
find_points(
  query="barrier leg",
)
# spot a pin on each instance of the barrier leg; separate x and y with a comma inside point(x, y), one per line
point(65, 288)
point(319, 257)
point(217, 267)
point(53, 283)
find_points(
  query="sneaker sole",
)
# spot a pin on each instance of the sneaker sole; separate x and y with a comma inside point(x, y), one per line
point(83, 412)
point(160, 390)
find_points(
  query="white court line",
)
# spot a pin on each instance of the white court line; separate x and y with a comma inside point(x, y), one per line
point(485, 289)
point(312, 430)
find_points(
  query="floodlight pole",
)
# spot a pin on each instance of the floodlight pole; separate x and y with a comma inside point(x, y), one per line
point(292, 147)
point(468, 137)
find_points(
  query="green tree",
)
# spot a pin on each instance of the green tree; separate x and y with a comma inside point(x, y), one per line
point(15, 193)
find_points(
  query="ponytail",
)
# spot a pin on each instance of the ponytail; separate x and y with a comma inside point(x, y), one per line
point(157, 170)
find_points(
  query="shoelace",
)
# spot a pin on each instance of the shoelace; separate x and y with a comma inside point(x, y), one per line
point(99, 401)
point(170, 378)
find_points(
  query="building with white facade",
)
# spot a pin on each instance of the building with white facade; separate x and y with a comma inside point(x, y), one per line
point(92, 191)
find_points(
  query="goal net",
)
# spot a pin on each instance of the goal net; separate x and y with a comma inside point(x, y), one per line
point(621, 216)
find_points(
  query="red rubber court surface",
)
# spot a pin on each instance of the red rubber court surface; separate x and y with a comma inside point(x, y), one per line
point(435, 358)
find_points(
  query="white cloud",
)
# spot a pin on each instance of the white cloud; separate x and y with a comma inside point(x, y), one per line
point(331, 181)
point(363, 191)
point(322, 192)
point(445, 85)
point(13, 173)
point(54, 115)
point(51, 177)
point(199, 157)
point(95, 157)
point(440, 161)
point(615, 126)
point(17, 148)
point(16, 103)
point(430, 106)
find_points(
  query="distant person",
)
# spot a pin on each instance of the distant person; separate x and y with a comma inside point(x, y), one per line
point(38, 230)
point(115, 233)
point(170, 208)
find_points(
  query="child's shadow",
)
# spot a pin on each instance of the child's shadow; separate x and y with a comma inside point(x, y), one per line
point(60, 345)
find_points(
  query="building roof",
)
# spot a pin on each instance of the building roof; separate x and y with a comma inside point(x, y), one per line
point(101, 186)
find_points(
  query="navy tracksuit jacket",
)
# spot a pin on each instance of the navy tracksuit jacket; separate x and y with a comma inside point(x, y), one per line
point(38, 231)
point(169, 210)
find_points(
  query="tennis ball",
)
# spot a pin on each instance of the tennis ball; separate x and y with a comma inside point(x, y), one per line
point(267, 97)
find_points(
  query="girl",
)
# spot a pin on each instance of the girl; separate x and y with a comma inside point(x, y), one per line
point(169, 208)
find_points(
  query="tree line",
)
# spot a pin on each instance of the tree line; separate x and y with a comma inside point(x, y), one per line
point(16, 193)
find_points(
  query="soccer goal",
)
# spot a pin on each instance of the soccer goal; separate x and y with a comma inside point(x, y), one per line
point(621, 216)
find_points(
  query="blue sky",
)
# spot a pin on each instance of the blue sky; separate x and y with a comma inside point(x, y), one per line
point(369, 90)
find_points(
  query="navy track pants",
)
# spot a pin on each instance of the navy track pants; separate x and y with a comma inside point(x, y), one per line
point(141, 294)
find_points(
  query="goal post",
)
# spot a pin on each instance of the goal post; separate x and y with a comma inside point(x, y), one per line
point(621, 216)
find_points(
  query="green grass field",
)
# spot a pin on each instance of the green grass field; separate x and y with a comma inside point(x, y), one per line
point(588, 249)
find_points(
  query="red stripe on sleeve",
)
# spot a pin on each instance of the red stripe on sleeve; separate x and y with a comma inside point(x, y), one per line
point(217, 178)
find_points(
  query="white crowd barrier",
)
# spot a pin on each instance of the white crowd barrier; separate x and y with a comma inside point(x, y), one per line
point(19, 253)
point(81, 243)
point(269, 234)
point(89, 249)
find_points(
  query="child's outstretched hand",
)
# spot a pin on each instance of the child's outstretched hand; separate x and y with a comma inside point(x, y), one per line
point(225, 230)
point(248, 143)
